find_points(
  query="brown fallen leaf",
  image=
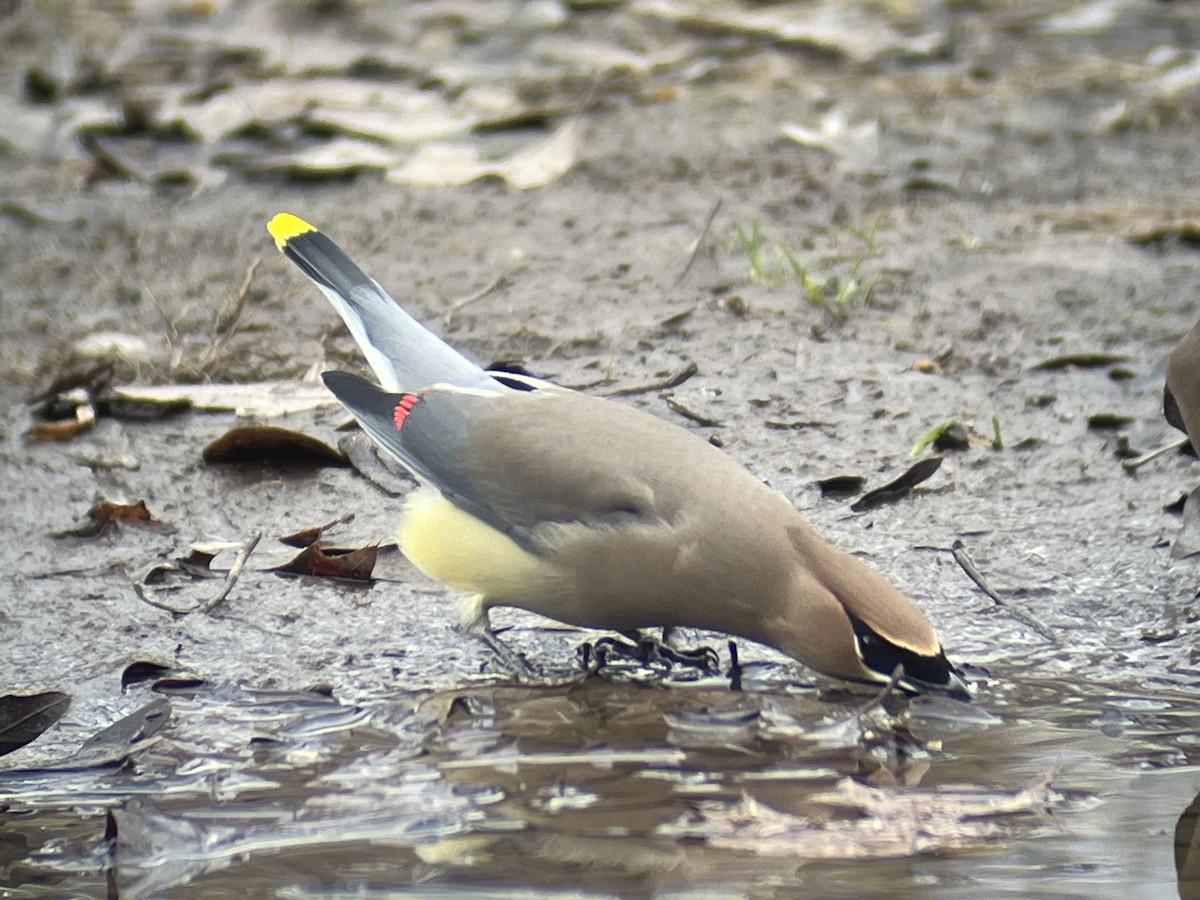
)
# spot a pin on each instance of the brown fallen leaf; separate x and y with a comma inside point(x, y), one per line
point(353, 565)
point(307, 536)
point(894, 490)
point(64, 429)
point(270, 443)
point(106, 515)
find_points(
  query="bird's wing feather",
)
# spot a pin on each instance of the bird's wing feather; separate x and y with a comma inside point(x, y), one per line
point(404, 355)
point(478, 448)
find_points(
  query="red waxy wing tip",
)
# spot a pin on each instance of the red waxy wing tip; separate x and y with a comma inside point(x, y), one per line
point(403, 408)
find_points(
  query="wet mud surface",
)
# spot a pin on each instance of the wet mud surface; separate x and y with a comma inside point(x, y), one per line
point(962, 197)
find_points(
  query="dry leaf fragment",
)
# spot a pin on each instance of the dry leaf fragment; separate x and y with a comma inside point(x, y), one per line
point(1079, 361)
point(894, 490)
point(106, 515)
point(307, 536)
point(452, 164)
point(353, 565)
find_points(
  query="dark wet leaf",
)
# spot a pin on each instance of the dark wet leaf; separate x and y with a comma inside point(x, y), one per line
point(142, 670)
point(671, 381)
point(1079, 361)
point(842, 485)
point(122, 738)
point(354, 565)
point(132, 409)
point(894, 490)
point(106, 515)
point(1175, 507)
point(307, 536)
point(182, 686)
point(954, 437)
point(1164, 234)
point(1108, 421)
point(24, 718)
point(270, 443)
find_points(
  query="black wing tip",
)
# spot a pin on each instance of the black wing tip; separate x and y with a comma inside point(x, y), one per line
point(359, 395)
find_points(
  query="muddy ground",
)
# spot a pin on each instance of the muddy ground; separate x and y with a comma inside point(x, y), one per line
point(993, 189)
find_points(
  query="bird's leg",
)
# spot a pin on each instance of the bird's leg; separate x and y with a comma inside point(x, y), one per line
point(475, 622)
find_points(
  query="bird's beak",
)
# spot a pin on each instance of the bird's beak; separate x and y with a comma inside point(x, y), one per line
point(955, 687)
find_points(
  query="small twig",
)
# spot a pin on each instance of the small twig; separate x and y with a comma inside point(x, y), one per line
point(673, 381)
point(688, 413)
point(1132, 465)
point(227, 324)
point(884, 693)
point(234, 572)
point(146, 596)
point(499, 282)
point(699, 245)
point(958, 550)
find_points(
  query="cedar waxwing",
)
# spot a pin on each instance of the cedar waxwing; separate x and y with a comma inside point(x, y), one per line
point(597, 514)
point(1181, 394)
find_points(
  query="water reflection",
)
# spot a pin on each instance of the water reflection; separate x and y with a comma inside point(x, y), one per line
point(630, 787)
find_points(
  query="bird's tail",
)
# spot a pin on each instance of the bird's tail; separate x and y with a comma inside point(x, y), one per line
point(404, 355)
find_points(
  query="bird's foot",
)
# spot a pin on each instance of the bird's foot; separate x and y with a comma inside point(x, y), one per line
point(649, 652)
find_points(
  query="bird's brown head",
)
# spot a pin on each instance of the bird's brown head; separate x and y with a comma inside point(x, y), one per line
point(852, 623)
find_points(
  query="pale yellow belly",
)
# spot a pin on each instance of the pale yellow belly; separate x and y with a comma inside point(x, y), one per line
point(453, 546)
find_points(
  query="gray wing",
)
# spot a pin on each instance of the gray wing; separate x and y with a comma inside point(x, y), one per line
point(404, 355)
point(512, 459)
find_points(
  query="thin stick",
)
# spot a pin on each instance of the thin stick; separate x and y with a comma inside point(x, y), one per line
point(498, 282)
point(673, 381)
point(234, 572)
point(885, 691)
point(712, 214)
point(967, 565)
point(1132, 465)
point(146, 596)
point(227, 324)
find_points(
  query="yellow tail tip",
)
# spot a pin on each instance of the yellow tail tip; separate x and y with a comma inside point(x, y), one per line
point(284, 226)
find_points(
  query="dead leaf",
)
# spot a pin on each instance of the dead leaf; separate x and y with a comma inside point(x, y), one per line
point(830, 27)
point(121, 739)
point(23, 718)
point(264, 400)
point(894, 490)
point(353, 565)
point(270, 443)
point(106, 515)
point(842, 485)
point(64, 429)
point(1079, 361)
point(1160, 234)
point(308, 536)
point(453, 164)
point(1108, 421)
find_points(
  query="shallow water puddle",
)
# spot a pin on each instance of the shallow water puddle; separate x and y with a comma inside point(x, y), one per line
point(614, 789)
